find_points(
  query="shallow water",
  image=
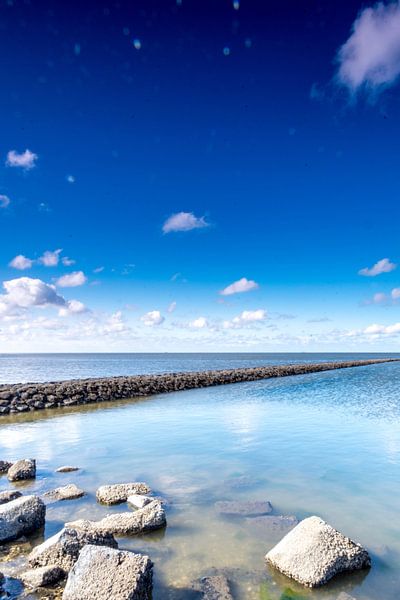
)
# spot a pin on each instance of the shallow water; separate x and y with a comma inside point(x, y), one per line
point(324, 443)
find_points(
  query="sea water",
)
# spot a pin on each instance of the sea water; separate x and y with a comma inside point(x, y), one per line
point(323, 443)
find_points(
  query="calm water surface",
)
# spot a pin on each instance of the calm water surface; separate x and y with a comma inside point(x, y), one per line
point(17, 368)
point(324, 443)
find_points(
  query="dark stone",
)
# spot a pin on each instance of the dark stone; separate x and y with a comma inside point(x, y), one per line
point(244, 509)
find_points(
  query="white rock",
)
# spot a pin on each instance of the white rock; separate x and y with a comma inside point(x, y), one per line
point(66, 492)
point(62, 549)
point(313, 552)
point(139, 501)
point(105, 574)
point(42, 576)
point(149, 518)
point(119, 492)
point(21, 517)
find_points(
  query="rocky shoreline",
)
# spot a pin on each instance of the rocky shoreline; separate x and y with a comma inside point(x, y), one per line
point(18, 398)
point(84, 561)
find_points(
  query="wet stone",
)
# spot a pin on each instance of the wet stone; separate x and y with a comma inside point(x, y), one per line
point(214, 587)
point(105, 574)
point(66, 492)
point(9, 495)
point(66, 469)
point(62, 549)
point(43, 576)
point(21, 517)
point(4, 466)
point(272, 524)
point(314, 552)
point(119, 492)
point(139, 501)
point(243, 509)
point(149, 518)
point(22, 469)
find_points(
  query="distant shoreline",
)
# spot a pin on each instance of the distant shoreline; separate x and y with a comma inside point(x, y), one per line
point(19, 398)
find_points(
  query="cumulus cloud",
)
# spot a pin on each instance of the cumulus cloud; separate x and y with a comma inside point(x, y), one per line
point(4, 201)
point(239, 286)
point(98, 269)
point(199, 323)
point(171, 307)
point(184, 221)
point(25, 292)
point(49, 258)
point(21, 262)
point(247, 317)
point(152, 318)
point(376, 329)
point(72, 279)
point(72, 307)
point(370, 58)
point(395, 293)
point(382, 266)
point(25, 160)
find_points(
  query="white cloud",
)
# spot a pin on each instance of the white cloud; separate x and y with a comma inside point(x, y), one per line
point(25, 292)
point(98, 269)
point(49, 258)
point(395, 293)
point(21, 262)
point(151, 318)
point(247, 317)
point(4, 201)
point(115, 324)
point(199, 323)
point(68, 261)
point(242, 285)
point(72, 307)
point(382, 266)
point(171, 307)
point(371, 56)
point(72, 279)
point(376, 329)
point(184, 221)
point(25, 160)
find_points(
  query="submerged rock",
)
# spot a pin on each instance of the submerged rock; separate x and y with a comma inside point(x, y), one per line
point(270, 524)
point(67, 492)
point(313, 552)
point(4, 466)
point(119, 492)
point(149, 518)
point(9, 495)
point(66, 469)
point(22, 469)
point(244, 509)
point(139, 501)
point(21, 517)
point(105, 574)
point(214, 587)
point(62, 550)
point(42, 576)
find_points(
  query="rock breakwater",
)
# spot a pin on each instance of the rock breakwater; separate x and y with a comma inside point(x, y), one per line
point(16, 398)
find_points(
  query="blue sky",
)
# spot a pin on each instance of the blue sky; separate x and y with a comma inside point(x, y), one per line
point(160, 152)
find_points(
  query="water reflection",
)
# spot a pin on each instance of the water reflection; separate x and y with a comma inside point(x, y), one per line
point(325, 444)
